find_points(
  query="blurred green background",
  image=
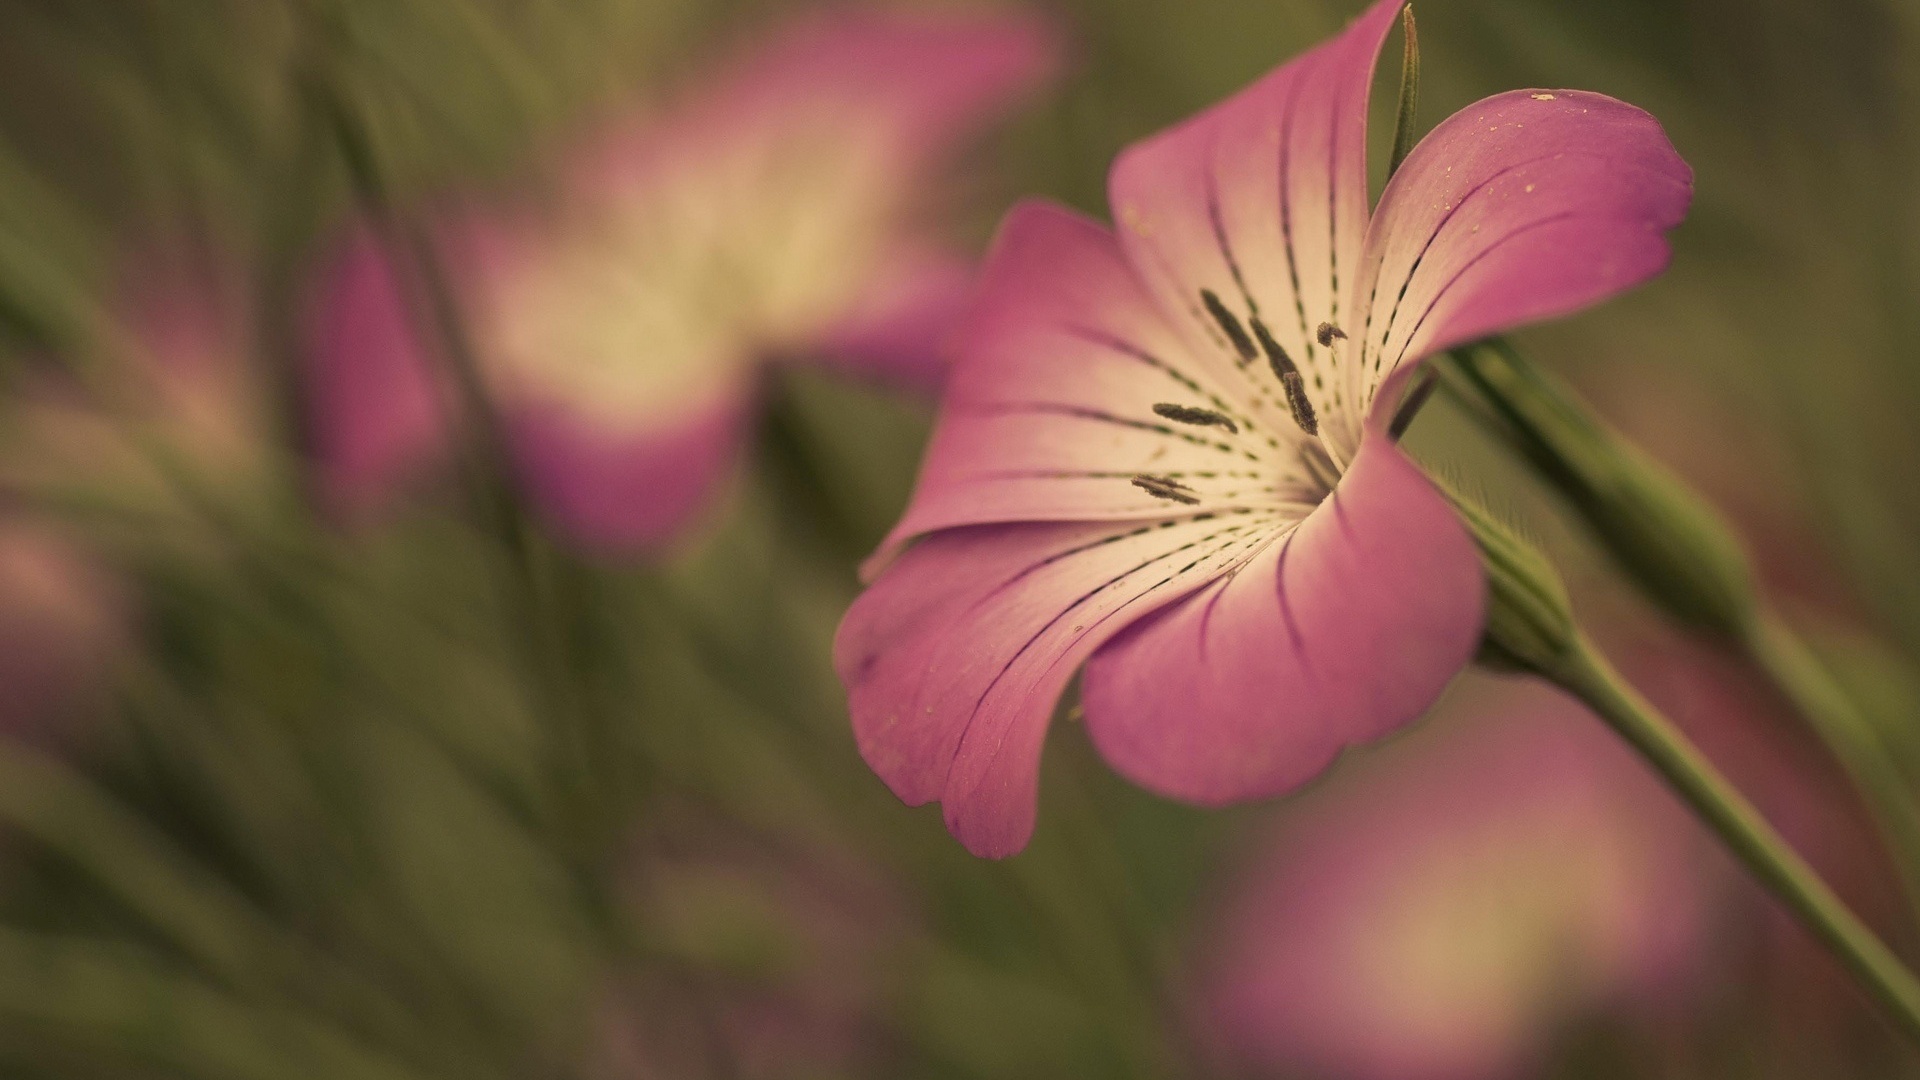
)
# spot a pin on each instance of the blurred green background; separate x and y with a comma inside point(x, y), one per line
point(285, 802)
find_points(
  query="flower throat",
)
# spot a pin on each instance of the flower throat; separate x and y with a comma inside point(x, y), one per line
point(1320, 469)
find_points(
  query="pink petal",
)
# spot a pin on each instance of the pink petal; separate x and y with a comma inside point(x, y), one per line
point(623, 410)
point(1262, 199)
point(929, 81)
point(624, 492)
point(1345, 630)
point(1050, 410)
point(1525, 206)
point(943, 76)
point(63, 622)
point(373, 408)
point(954, 659)
point(902, 332)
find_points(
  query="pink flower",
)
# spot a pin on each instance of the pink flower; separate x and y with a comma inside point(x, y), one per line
point(773, 214)
point(61, 628)
point(1804, 999)
point(182, 394)
point(1448, 908)
point(1163, 453)
point(172, 419)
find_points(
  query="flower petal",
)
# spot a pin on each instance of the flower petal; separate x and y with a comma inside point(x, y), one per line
point(771, 208)
point(618, 492)
point(62, 623)
point(1049, 412)
point(1526, 206)
point(1343, 631)
point(925, 81)
point(625, 402)
point(954, 659)
point(374, 412)
point(1262, 200)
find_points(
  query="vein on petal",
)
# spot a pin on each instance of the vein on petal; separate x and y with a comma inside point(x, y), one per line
point(1441, 293)
point(1033, 638)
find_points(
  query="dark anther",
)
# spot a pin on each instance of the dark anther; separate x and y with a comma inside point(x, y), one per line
point(1277, 357)
point(1283, 368)
point(1228, 325)
point(1187, 414)
point(1327, 332)
point(1299, 404)
point(1166, 487)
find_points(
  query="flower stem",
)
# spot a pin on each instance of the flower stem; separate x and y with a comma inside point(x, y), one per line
point(1766, 855)
point(1860, 751)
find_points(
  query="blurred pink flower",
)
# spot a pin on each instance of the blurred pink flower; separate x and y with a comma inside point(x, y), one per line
point(171, 418)
point(61, 620)
point(1807, 1017)
point(1813, 1017)
point(774, 214)
point(1446, 909)
point(1165, 452)
point(181, 385)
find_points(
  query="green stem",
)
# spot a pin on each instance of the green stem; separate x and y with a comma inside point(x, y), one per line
point(1766, 855)
point(1801, 677)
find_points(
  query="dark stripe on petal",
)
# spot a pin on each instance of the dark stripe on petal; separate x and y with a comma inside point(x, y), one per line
point(1220, 238)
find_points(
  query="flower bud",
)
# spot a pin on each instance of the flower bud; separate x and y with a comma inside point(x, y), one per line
point(1530, 623)
point(1666, 537)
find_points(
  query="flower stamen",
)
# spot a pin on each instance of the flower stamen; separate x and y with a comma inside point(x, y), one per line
point(1166, 487)
point(1229, 325)
point(1327, 332)
point(1187, 414)
point(1289, 375)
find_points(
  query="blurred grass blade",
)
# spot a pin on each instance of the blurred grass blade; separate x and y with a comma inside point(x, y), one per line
point(210, 924)
point(67, 814)
point(48, 263)
point(96, 1002)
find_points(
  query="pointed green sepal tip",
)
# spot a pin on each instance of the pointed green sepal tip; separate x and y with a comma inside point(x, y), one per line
point(1530, 625)
point(1403, 123)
